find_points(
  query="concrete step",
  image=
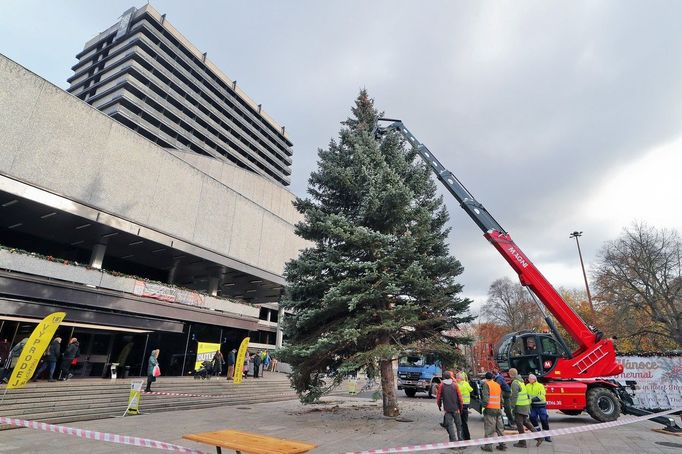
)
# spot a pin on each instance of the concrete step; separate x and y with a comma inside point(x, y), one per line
point(26, 407)
point(113, 410)
point(79, 400)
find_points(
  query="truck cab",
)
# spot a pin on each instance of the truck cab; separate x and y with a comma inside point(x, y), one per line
point(419, 373)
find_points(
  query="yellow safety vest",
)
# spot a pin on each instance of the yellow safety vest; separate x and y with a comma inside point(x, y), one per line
point(495, 396)
point(465, 389)
point(522, 399)
point(536, 389)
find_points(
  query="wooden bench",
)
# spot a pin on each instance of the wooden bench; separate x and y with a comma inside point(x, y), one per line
point(246, 442)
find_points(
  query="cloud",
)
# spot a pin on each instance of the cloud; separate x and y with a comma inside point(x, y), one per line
point(553, 114)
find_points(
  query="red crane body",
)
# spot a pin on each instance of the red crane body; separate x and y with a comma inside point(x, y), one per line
point(572, 378)
point(594, 357)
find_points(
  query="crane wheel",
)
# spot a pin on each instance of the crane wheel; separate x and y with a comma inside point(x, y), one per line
point(602, 404)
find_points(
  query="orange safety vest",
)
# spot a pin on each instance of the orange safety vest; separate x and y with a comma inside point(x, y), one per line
point(495, 397)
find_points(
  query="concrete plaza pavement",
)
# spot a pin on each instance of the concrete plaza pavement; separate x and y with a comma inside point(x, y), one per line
point(339, 424)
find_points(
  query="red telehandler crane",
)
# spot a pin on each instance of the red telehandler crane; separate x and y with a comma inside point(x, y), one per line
point(573, 379)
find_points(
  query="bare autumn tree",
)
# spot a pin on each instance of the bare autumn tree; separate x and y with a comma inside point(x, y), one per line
point(510, 305)
point(639, 275)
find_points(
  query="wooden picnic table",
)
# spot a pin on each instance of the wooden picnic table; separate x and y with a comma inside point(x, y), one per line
point(246, 442)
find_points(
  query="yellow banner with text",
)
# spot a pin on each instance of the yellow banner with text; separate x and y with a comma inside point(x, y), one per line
point(239, 364)
point(33, 350)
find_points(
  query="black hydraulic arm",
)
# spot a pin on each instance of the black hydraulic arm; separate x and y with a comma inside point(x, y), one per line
point(474, 209)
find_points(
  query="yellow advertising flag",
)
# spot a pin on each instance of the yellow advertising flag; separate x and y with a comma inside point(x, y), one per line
point(239, 363)
point(205, 352)
point(33, 350)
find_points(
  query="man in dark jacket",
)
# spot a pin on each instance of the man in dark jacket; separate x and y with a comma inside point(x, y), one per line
point(506, 399)
point(50, 359)
point(449, 398)
point(72, 352)
point(256, 364)
point(231, 359)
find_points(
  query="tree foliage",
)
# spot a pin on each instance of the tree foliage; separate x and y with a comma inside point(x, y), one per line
point(378, 278)
point(509, 305)
point(638, 278)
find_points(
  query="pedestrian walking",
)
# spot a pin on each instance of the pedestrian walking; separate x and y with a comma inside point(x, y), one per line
point(217, 363)
point(273, 364)
point(263, 357)
point(465, 390)
point(50, 359)
point(538, 404)
point(69, 358)
point(267, 361)
point(246, 365)
point(506, 399)
point(521, 407)
point(12, 360)
point(231, 359)
point(256, 364)
point(5, 347)
point(151, 365)
point(449, 399)
point(491, 403)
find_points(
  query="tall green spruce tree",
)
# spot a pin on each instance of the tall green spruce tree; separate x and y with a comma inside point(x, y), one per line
point(378, 278)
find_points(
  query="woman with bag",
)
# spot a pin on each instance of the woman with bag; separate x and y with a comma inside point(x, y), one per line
point(153, 369)
point(70, 358)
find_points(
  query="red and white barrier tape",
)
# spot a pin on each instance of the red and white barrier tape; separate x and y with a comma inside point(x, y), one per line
point(152, 393)
point(509, 438)
point(99, 436)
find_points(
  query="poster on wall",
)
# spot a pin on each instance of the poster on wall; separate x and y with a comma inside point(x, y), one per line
point(169, 294)
point(659, 380)
point(205, 352)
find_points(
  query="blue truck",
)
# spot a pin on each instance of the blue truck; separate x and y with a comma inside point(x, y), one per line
point(419, 373)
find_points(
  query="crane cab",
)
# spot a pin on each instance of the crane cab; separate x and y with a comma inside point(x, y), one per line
point(528, 352)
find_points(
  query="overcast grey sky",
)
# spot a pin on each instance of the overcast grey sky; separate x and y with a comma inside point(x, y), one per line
point(556, 115)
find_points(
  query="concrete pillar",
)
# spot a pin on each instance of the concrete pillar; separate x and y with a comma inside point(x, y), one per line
point(213, 283)
point(173, 271)
point(267, 314)
point(97, 256)
point(280, 319)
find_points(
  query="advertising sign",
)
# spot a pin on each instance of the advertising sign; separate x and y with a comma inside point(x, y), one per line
point(134, 398)
point(33, 350)
point(239, 363)
point(170, 294)
point(659, 380)
point(205, 352)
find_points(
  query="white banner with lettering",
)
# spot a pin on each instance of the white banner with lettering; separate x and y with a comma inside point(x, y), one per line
point(171, 294)
point(659, 380)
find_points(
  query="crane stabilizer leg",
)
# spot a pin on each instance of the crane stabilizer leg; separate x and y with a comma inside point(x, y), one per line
point(628, 408)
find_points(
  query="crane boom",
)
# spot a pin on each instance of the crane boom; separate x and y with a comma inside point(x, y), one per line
point(595, 356)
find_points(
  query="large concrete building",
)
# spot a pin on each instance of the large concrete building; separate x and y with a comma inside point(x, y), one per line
point(144, 73)
point(141, 245)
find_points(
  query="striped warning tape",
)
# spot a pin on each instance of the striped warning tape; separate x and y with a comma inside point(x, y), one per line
point(99, 436)
point(508, 438)
point(153, 393)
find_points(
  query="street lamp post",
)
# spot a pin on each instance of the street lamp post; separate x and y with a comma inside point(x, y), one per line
point(575, 235)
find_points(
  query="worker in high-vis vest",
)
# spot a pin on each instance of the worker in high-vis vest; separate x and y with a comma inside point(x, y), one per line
point(520, 402)
point(538, 404)
point(491, 402)
point(465, 390)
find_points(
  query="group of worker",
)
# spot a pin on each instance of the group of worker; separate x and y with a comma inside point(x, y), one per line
point(525, 404)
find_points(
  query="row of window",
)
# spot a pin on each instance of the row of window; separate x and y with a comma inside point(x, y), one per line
point(162, 77)
point(178, 52)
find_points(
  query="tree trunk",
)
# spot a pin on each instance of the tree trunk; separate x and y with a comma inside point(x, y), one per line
point(388, 388)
